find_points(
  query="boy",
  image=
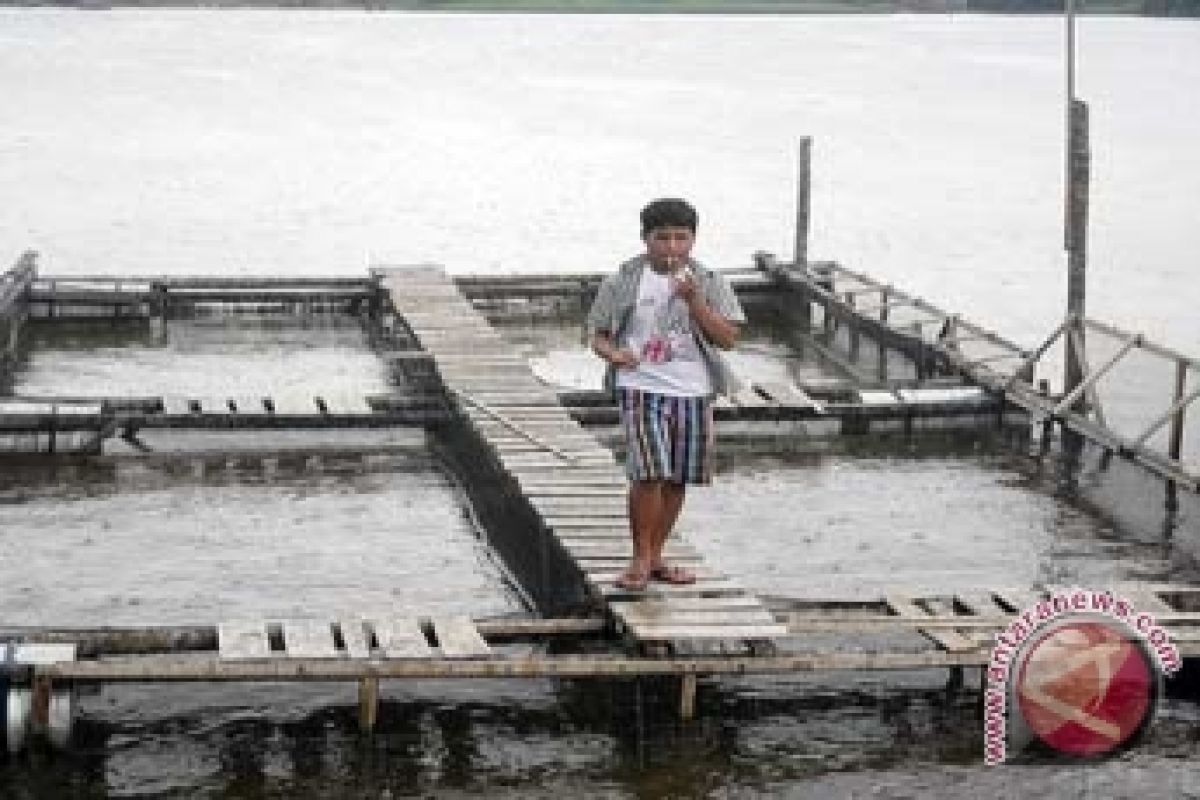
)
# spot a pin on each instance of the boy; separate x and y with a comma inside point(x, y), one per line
point(659, 322)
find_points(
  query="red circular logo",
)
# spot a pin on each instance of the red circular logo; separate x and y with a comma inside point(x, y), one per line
point(1086, 687)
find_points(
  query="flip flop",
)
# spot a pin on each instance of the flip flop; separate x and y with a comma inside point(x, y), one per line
point(677, 576)
point(633, 581)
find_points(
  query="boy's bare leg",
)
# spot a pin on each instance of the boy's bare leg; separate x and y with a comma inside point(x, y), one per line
point(673, 496)
point(645, 519)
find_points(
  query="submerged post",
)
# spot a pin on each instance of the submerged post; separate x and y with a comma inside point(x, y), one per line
point(368, 703)
point(803, 193)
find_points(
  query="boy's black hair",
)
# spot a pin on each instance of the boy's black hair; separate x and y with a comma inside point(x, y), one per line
point(669, 212)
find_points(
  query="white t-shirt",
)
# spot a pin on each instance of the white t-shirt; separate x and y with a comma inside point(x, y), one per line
point(662, 335)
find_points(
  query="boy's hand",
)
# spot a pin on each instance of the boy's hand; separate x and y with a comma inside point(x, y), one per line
point(684, 285)
point(624, 359)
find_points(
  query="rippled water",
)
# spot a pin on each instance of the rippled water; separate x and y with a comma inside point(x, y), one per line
point(269, 142)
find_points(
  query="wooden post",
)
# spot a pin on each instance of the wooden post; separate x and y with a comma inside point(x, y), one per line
point(1043, 390)
point(1175, 437)
point(368, 704)
point(1079, 166)
point(884, 298)
point(803, 193)
point(687, 697)
point(853, 332)
point(1175, 434)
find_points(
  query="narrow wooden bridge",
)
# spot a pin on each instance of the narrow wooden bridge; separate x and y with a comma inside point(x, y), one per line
point(567, 477)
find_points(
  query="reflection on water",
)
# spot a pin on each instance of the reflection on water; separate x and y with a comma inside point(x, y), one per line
point(852, 737)
point(276, 355)
point(205, 538)
point(285, 539)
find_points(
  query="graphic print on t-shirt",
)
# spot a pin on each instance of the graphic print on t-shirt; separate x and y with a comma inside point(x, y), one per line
point(660, 332)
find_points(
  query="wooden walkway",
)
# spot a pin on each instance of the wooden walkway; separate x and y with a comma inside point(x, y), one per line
point(941, 342)
point(569, 479)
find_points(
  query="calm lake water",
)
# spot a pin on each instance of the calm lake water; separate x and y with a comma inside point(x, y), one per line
point(272, 142)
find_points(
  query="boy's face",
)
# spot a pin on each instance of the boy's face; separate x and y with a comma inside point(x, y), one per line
point(669, 246)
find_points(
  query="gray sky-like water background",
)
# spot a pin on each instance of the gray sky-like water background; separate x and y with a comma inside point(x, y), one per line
point(269, 142)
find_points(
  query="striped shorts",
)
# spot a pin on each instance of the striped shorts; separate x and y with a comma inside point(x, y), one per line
point(668, 438)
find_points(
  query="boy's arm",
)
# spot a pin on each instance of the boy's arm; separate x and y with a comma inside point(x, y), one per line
point(717, 329)
point(603, 346)
point(721, 325)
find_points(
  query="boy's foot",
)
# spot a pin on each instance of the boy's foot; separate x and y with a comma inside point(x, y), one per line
point(633, 581)
point(673, 575)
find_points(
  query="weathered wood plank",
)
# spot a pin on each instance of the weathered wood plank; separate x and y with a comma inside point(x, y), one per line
point(748, 398)
point(615, 519)
point(344, 404)
point(458, 638)
point(649, 633)
point(1017, 599)
point(980, 604)
point(685, 604)
point(697, 589)
point(402, 638)
point(184, 668)
point(308, 639)
point(949, 640)
point(647, 615)
point(243, 639)
point(296, 405)
point(703, 575)
point(1145, 599)
point(788, 394)
point(354, 637)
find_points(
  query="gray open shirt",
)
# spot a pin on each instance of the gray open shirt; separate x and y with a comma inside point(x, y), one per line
point(617, 298)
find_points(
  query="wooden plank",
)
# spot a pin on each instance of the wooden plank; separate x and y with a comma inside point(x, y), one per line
point(648, 615)
point(685, 604)
point(354, 637)
point(697, 589)
point(190, 668)
point(402, 638)
point(239, 639)
point(1145, 600)
point(609, 509)
point(568, 535)
point(1017, 599)
point(295, 405)
point(247, 405)
point(458, 638)
point(308, 639)
point(595, 564)
point(790, 395)
point(616, 519)
point(673, 549)
point(980, 604)
point(538, 487)
point(176, 407)
point(706, 632)
point(345, 404)
point(748, 398)
point(703, 575)
point(951, 641)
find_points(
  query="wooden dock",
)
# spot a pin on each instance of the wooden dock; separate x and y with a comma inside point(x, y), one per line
point(535, 464)
point(566, 476)
point(895, 631)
